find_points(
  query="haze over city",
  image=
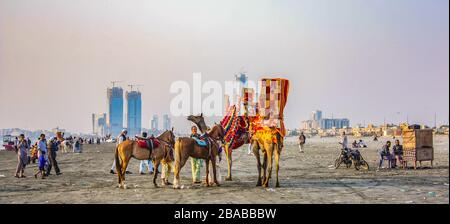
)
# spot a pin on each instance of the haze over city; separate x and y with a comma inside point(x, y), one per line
point(363, 60)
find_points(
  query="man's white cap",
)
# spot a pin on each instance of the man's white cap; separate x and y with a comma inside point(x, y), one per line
point(124, 130)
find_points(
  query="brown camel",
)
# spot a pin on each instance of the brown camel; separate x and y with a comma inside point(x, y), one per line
point(129, 148)
point(270, 142)
point(187, 147)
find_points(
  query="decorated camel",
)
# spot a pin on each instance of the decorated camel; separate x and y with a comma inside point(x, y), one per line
point(261, 124)
point(161, 153)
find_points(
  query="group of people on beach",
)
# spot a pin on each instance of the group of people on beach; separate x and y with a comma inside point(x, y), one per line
point(45, 152)
point(394, 156)
point(46, 156)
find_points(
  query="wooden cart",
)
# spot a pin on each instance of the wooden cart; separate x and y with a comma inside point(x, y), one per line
point(418, 146)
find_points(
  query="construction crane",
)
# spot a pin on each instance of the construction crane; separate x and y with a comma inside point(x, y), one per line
point(136, 85)
point(114, 82)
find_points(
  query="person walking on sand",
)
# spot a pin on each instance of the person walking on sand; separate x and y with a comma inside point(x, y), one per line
point(121, 138)
point(196, 164)
point(52, 149)
point(301, 141)
point(344, 140)
point(42, 157)
point(22, 156)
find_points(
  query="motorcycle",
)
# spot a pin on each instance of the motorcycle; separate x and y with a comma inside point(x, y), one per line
point(351, 157)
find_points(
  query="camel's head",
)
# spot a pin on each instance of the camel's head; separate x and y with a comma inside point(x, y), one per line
point(199, 121)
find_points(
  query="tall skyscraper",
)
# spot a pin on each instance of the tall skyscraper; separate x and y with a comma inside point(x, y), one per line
point(154, 123)
point(115, 107)
point(99, 124)
point(316, 115)
point(167, 124)
point(134, 112)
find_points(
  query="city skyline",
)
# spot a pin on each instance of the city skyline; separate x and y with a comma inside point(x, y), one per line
point(389, 65)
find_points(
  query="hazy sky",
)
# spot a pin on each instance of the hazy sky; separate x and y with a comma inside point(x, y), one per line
point(361, 59)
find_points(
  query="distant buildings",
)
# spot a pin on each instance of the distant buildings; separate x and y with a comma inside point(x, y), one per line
point(154, 126)
point(334, 123)
point(167, 124)
point(115, 113)
point(316, 115)
point(317, 122)
point(134, 113)
point(99, 124)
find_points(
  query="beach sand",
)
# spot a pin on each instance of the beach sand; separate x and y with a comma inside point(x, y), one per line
point(304, 178)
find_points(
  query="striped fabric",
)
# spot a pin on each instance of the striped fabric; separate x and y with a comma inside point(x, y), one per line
point(272, 101)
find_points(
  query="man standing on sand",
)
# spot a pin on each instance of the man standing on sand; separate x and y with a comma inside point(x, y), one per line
point(301, 141)
point(121, 138)
point(147, 162)
point(22, 156)
point(196, 164)
point(52, 149)
point(344, 140)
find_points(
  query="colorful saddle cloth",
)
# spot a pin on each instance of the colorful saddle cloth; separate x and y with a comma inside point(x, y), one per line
point(200, 142)
point(148, 143)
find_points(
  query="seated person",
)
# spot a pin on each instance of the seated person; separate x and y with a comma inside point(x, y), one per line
point(385, 153)
point(355, 144)
point(398, 153)
point(362, 144)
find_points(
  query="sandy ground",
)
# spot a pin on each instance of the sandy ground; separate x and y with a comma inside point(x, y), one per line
point(305, 178)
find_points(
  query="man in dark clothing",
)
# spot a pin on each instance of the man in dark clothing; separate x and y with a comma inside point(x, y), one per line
point(385, 153)
point(52, 149)
point(301, 141)
point(398, 153)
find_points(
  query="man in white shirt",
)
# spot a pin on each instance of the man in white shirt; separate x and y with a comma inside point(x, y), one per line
point(344, 140)
point(121, 138)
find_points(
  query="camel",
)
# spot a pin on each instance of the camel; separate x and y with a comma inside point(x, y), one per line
point(129, 148)
point(187, 147)
point(269, 142)
point(199, 121)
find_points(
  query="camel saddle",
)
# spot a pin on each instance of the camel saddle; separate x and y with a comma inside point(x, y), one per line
point(150, 143)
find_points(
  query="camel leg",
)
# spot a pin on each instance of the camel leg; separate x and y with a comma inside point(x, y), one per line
point(124, 166)
point(277, 165)
point(207, 173)
point(269, 167)
point(213, 161)
point(155, 172)
point(258, 163)
point(264, 165)
point(176, 172)
point(229, 162)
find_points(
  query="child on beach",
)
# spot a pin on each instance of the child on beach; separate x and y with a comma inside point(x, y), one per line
point(42, 160)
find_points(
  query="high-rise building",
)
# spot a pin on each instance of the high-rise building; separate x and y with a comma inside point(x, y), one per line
point(316, 115)
point(167, 124)
point(334, 123)
point(99, 124)
point(154, 123)
point(134, 112)
point(115, 107)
